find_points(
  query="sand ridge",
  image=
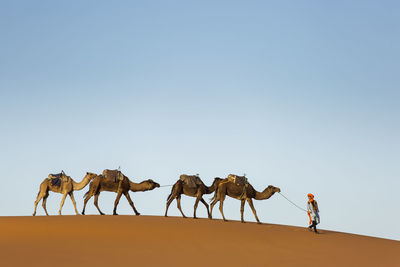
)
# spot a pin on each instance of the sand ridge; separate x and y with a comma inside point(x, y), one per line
point(95, 240)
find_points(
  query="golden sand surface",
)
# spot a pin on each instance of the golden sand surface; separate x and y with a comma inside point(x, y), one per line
point(125, 240)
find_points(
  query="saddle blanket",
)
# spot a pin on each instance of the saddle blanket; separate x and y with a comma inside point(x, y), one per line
point(57, 178)
point(239, 180)
point(115, 175)
point(56, 175)
point(55, 181)
point(191, 180)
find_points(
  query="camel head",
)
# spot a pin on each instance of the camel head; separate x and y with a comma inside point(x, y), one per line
point(273, 189)
point(216, 182)
point(152, 184)
point(90, 175)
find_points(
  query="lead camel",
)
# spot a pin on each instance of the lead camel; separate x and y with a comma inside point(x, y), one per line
point(242, 193)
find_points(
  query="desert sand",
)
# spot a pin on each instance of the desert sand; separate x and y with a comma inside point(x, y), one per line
point(95, 240)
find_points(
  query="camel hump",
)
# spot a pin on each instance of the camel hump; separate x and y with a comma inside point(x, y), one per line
point(191, 180)
point(239, 180)
point(57, 178)
point(115, 175)
point(56, 175)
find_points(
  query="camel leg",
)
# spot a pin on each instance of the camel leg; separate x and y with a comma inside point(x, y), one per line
point(85, 202)
point(242, 202)
point(169, 203)
point(119, 194)
point(250, 201)
point(62, 203)
point(39, 197)
point(131, 203)
point(44, 203)
point(178, 201)
point(212, 205)
point(221, 207)
point(205, 204)
point(175, 191)
point(196, 203)
point(43, 191)
point(71, 195)
point(93, 188)
point(96, 203)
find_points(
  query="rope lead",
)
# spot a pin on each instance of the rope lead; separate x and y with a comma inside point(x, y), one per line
point(166, 185)
point(292, 202)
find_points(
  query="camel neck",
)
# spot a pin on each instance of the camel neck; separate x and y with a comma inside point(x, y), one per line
point(81, 184)
point(210, 189)
point(134, 187)
point(267, 193)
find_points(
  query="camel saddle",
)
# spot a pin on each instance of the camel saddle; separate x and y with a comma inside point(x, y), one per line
point(55, 181)
point(115, 175)
point(191, 181)
point(57, 178)
point(238, 180)
point(56, 175)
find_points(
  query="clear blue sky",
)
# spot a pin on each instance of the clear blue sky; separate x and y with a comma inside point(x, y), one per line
point(303, 95)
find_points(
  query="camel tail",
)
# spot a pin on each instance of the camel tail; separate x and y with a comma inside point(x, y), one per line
point(169, 196)
point(172, 190)
point(215, 194)
point(213, 197)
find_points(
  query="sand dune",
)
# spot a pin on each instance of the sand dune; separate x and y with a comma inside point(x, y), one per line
point(157, 241)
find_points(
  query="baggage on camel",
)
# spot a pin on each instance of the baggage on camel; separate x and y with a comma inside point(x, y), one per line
point(57, 178)
point(236, 179)
point(115, 175)
point(191, 180)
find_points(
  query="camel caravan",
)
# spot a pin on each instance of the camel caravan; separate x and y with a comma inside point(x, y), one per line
point(233, 186)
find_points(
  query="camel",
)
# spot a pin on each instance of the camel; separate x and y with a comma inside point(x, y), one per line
point(102, 183)
point(66, 186)
point(242, 193)
point(180, 188)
